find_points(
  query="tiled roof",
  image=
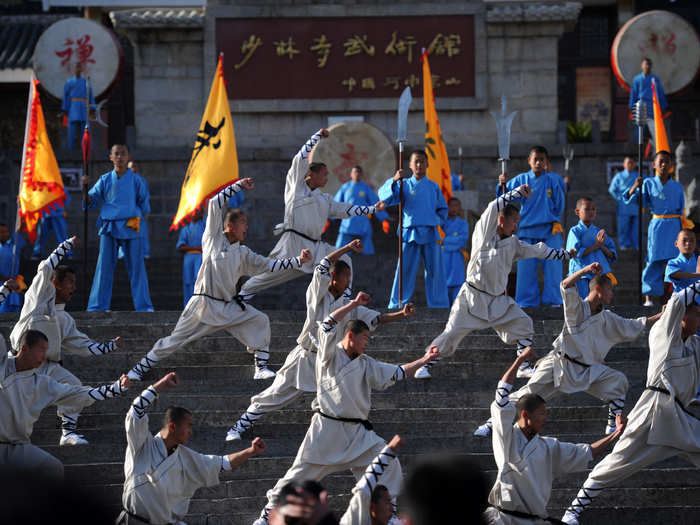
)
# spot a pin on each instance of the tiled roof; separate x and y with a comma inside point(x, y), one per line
point(18, 39)
point(159, 17)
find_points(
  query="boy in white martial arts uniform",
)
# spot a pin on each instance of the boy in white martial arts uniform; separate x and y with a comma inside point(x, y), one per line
point(215, 305)
point(44, 310)
point(528, 462)
point(660, 425)
point(482, 302)
point(161, 473)
point(371, 502)
point(298, 375)
point(25, 392)
point(577, 361)
point(340, 437)
point(306, 210)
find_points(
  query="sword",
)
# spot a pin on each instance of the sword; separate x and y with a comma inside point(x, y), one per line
point(404, 104)
point(503, 124)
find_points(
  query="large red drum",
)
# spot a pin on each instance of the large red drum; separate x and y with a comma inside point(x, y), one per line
point(74, 40)
point(671, 43)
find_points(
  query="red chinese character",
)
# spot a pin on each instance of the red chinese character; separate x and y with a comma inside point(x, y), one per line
point(350, 159)
point(83, 50)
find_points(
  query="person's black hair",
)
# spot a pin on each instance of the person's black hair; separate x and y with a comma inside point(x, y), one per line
point(647, 59)
point(508, 210)
point(316, 166)
point(599, 280)
point(61, 271)
point(583, 199)
point(175, 415)
point(663, 152)
point(445, 489)
point(32, 337)
point(339, 266)
point(119, 146)
point(538, 149)
point(529, 403)
point(357, 167)
point(418, 151)
point(377, 493)
point(233, 215)
point(356, 326)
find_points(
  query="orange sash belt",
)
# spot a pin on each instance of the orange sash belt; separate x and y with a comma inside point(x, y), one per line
point(685, 222)
point(194, 251)
point(134, 223)
point(557, 228)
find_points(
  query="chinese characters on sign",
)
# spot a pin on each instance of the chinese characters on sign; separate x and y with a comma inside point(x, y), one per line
point(79, 50)
point(345, 57)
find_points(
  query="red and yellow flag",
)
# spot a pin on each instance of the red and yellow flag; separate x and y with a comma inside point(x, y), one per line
point(42, 185)
point(214, 161)
point(660, 136)
point(438, 162)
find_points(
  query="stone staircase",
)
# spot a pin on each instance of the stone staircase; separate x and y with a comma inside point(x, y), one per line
point(438, 415)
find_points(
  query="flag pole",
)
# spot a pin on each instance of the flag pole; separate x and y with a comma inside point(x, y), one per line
point(85, 144)
point(18, 218)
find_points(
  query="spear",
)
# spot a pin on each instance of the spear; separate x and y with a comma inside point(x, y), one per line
point(85, 144)
point(568, 154)
point(404, 104)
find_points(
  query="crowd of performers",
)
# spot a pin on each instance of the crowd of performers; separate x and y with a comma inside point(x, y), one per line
point(330, 359)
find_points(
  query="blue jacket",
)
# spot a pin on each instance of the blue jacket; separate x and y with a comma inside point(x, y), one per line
point(582, 237)
point(681, 264)
point(619, 186)
point(191, 234)
point(121, 199)
point(641, 88)
point(75, 97)
point(359, 194)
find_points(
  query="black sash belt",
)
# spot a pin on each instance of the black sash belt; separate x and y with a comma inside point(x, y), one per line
point(680, 404)
point(131, 515)
point(300, 235)
point(527, 516)
point(470, 285)
point(237, 298)
point(364, 422)
point(573, 360)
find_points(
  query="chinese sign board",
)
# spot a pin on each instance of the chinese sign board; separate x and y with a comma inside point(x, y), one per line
point(351, 57)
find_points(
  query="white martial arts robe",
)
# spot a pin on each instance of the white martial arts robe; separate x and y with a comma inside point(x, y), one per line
point(23, 395)
point(40, 312)
point(158, 486)
point(481, 302)
point(215, 304)
point(344, 388)
point(305, 214)
point(526, 468)
point(587, 339)
point(357, 512)
point(659, 426)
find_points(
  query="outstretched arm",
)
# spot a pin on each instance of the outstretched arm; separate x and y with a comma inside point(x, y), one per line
point(411, 368)
point(238, 458)
point(353, 246)
point(509, 376)
point(7, 288)
point(137, 431)
point(599, 447)
point(75, 341)
point(217, 207)
point(409, 310)
point(591, 269)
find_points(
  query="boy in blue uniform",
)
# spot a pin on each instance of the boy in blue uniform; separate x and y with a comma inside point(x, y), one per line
point(124, 200)
point(627, 213)
point(592, 245)
point(641, 88)
point(664, 197)
point(355, 191)
point(75, 104)
point(539, 222)
point(13, 303)
point(453, 247)
point(54, 220)
point(190, 243)
point(424, 209)
point(143, 224)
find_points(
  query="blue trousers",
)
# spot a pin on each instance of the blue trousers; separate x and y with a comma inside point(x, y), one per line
point(75, 128)
point(653, 277)
point(368, 245)
point(627, 234)
point(101, 292)
point(527, 290)
point(190, 268)
point(46, 226)
point(435, 284)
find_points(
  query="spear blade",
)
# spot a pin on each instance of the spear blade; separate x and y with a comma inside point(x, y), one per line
point(404, 105)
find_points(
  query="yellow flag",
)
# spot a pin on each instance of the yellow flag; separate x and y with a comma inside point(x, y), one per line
point(659, 129)
point(42, 185)
point(214, 162)
point(438, 162)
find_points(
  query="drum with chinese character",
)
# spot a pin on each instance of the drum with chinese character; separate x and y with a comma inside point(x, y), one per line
point(667, 39)
point(355, 144)
point(74, 40)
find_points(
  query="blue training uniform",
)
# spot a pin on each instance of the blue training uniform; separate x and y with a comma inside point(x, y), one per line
point(641, 88)
point(13, 303)
point(236, 201)
point(661, 200)
point(75, 100)
point(121, 199)
point(538, 216)
point(627, 212)
point(582, 237)
point(681, 264)
point(456, 236)
point(191, 235)
point(143, 228)
point(456, 183)
point(360, 194)
point(424, 209)
point(54, 220)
